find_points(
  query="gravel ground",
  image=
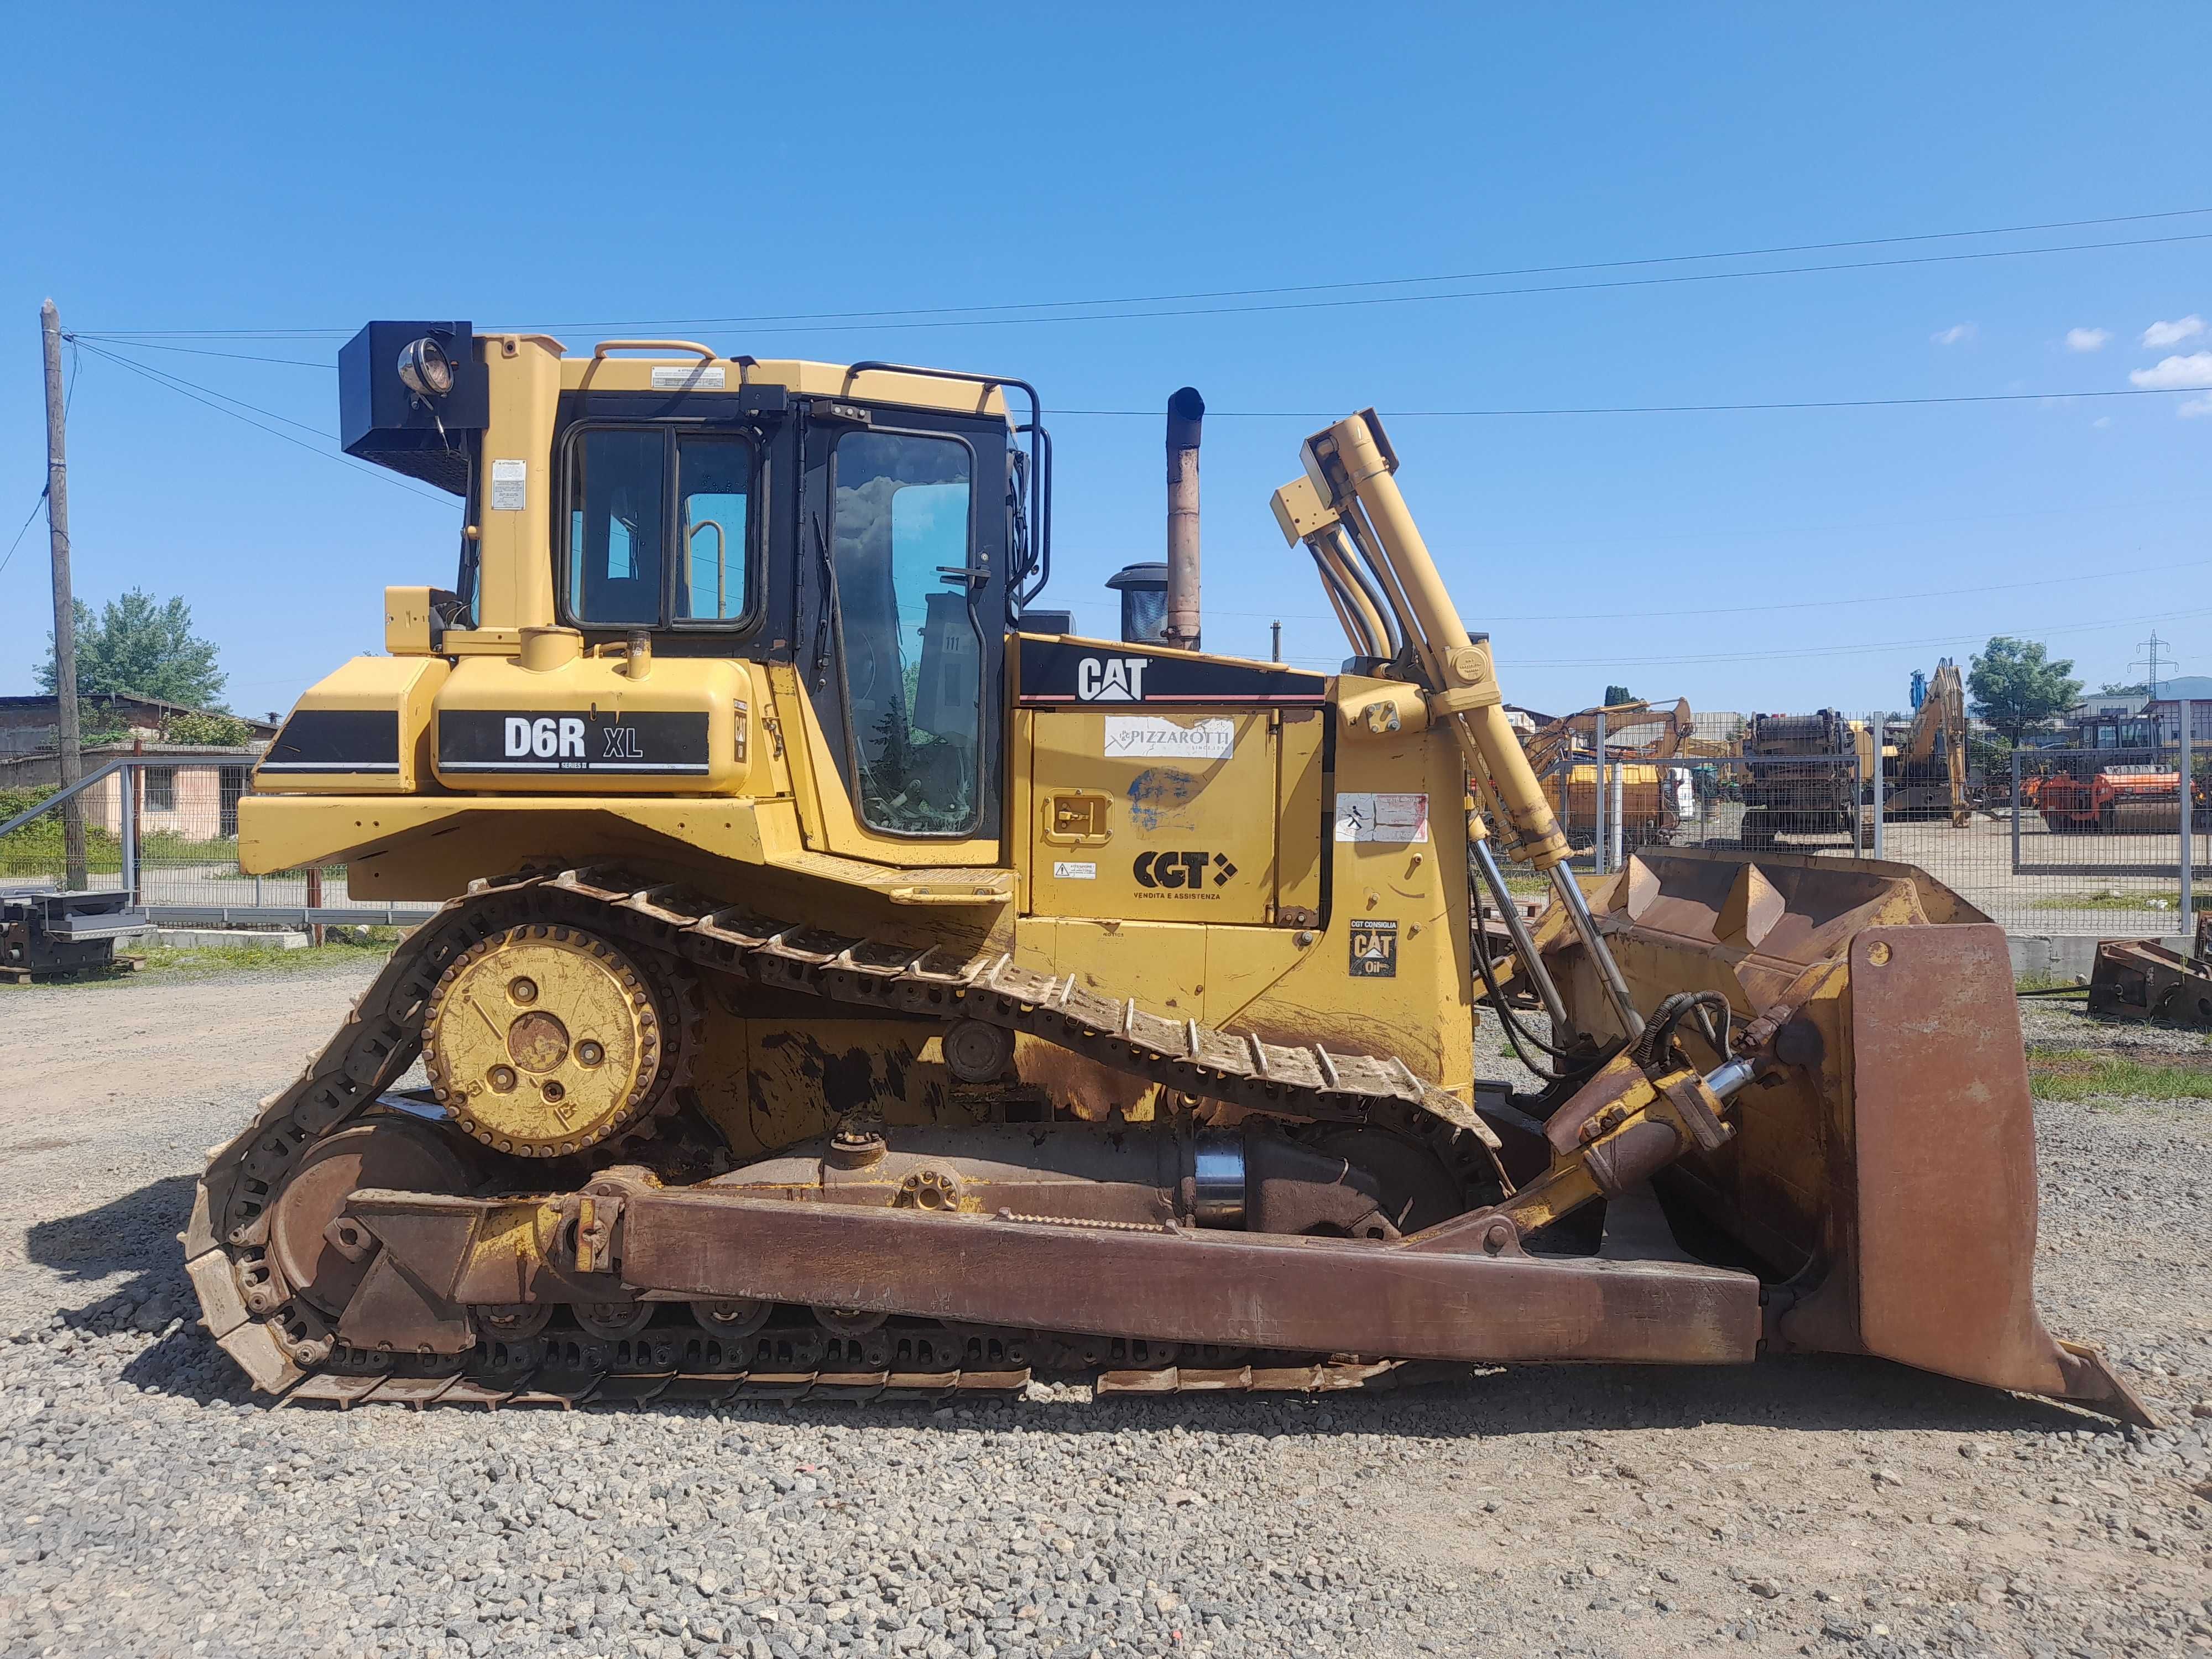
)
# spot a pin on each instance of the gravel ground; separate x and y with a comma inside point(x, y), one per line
point(1800, 1506)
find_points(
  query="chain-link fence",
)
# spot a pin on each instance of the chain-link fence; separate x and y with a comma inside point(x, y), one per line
point(2048, 842)
point(2082, 841)
point(165, 832)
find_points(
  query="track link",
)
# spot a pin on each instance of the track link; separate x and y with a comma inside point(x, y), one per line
point(289, 1348)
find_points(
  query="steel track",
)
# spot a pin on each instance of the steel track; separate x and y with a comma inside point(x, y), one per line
point(289, 1348)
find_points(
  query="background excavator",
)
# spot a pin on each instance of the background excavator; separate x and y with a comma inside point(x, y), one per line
point(848, 981)
point(1640, 736)
point(1924, 767)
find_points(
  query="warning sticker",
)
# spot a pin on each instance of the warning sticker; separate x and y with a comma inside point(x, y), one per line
point(1382, 817)
point(1067, 872)
point(694, 377)
point(1147, 737)
point(1374, 950)
point(510, 486)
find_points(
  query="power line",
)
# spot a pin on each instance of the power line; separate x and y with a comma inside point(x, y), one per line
point(188, 389)
point(39, 501)
point(970, 310)
point(200, 351)
point(1845, 650)
point(1788, 605)
point(69, 398)
point(179, 380)
point(1401, 299)
point(1652, 409)
point(1800, 404)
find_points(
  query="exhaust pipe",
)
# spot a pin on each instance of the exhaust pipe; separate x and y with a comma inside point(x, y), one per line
point(1186, 411)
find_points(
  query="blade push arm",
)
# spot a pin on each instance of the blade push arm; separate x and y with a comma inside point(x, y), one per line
point(1349, 512)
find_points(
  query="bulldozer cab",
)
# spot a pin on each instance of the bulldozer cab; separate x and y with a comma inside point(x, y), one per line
point(867, 545)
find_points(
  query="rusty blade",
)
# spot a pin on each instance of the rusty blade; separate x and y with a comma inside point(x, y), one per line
point(1237, 1289)
point(1946, 1199)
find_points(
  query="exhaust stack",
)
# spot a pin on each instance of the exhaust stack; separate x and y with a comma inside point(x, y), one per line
point(1186, 411)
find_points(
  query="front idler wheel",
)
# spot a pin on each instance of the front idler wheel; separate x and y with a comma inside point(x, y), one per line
point(323, 1259)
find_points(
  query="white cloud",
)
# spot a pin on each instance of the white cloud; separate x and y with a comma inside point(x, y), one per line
point(1955, 334)
point(2101, 422)
point(2194, 408)
point(2086, 339)
point(2167, 334)
point(2176, 374)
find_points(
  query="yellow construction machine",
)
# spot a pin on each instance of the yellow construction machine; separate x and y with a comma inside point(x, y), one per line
point(1924, 767)
point(848, 980)
point(1640, 738)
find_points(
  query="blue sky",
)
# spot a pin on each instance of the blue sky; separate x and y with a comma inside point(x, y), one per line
point(590, 169)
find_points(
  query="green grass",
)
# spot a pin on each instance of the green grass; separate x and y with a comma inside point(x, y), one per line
point(168, 962)
point(2107, 901)
point(2075, 1074)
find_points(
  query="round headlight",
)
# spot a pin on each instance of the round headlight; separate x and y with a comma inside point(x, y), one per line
point(424, 368)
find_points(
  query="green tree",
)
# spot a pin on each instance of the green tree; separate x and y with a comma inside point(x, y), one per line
point(140, 647)
point(98, 722)
point(1617, 693)
point(2015, 685)
point(224, 730)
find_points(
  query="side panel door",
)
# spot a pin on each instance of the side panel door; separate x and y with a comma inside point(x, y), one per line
point(1168, 786)
point(1167, 817)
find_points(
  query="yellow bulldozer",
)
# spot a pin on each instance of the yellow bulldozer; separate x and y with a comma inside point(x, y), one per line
point(848, 981)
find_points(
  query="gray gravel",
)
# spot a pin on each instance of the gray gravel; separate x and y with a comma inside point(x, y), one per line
point(1804, 1506)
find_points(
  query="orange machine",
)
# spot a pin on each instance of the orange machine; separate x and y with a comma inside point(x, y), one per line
point(2138, 799)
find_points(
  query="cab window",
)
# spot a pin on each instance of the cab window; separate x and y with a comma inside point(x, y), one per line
point(911, 648)
point(714, 479)
point(658, 527)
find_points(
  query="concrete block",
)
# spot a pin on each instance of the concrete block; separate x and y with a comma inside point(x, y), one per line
point(2066, 955)
point(229, 939)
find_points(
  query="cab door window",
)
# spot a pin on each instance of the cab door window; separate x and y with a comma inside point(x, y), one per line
point(713, 481)
point(618, 501)
point(910, 646)
point(659, 528)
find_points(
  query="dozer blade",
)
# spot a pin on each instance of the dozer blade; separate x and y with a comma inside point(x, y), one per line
point(1885, 1180)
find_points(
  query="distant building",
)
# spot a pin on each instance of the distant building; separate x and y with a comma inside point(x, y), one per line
point(198, 801)
point(2104, 704)
point(1526, 721)
point(31, 725)
point(2166, 708)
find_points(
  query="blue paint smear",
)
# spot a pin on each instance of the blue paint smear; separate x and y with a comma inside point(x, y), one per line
point(1157, 797)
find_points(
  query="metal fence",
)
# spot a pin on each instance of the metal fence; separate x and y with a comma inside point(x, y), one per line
point(165, 832)
point(2083, 841)
point(2056, 841)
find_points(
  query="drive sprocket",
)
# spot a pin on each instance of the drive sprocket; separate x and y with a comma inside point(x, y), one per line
point(543, 1040)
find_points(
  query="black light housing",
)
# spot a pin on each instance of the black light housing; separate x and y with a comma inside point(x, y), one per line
point(392, 411)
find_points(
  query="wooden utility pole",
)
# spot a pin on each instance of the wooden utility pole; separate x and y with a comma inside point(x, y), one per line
point(72, 757)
